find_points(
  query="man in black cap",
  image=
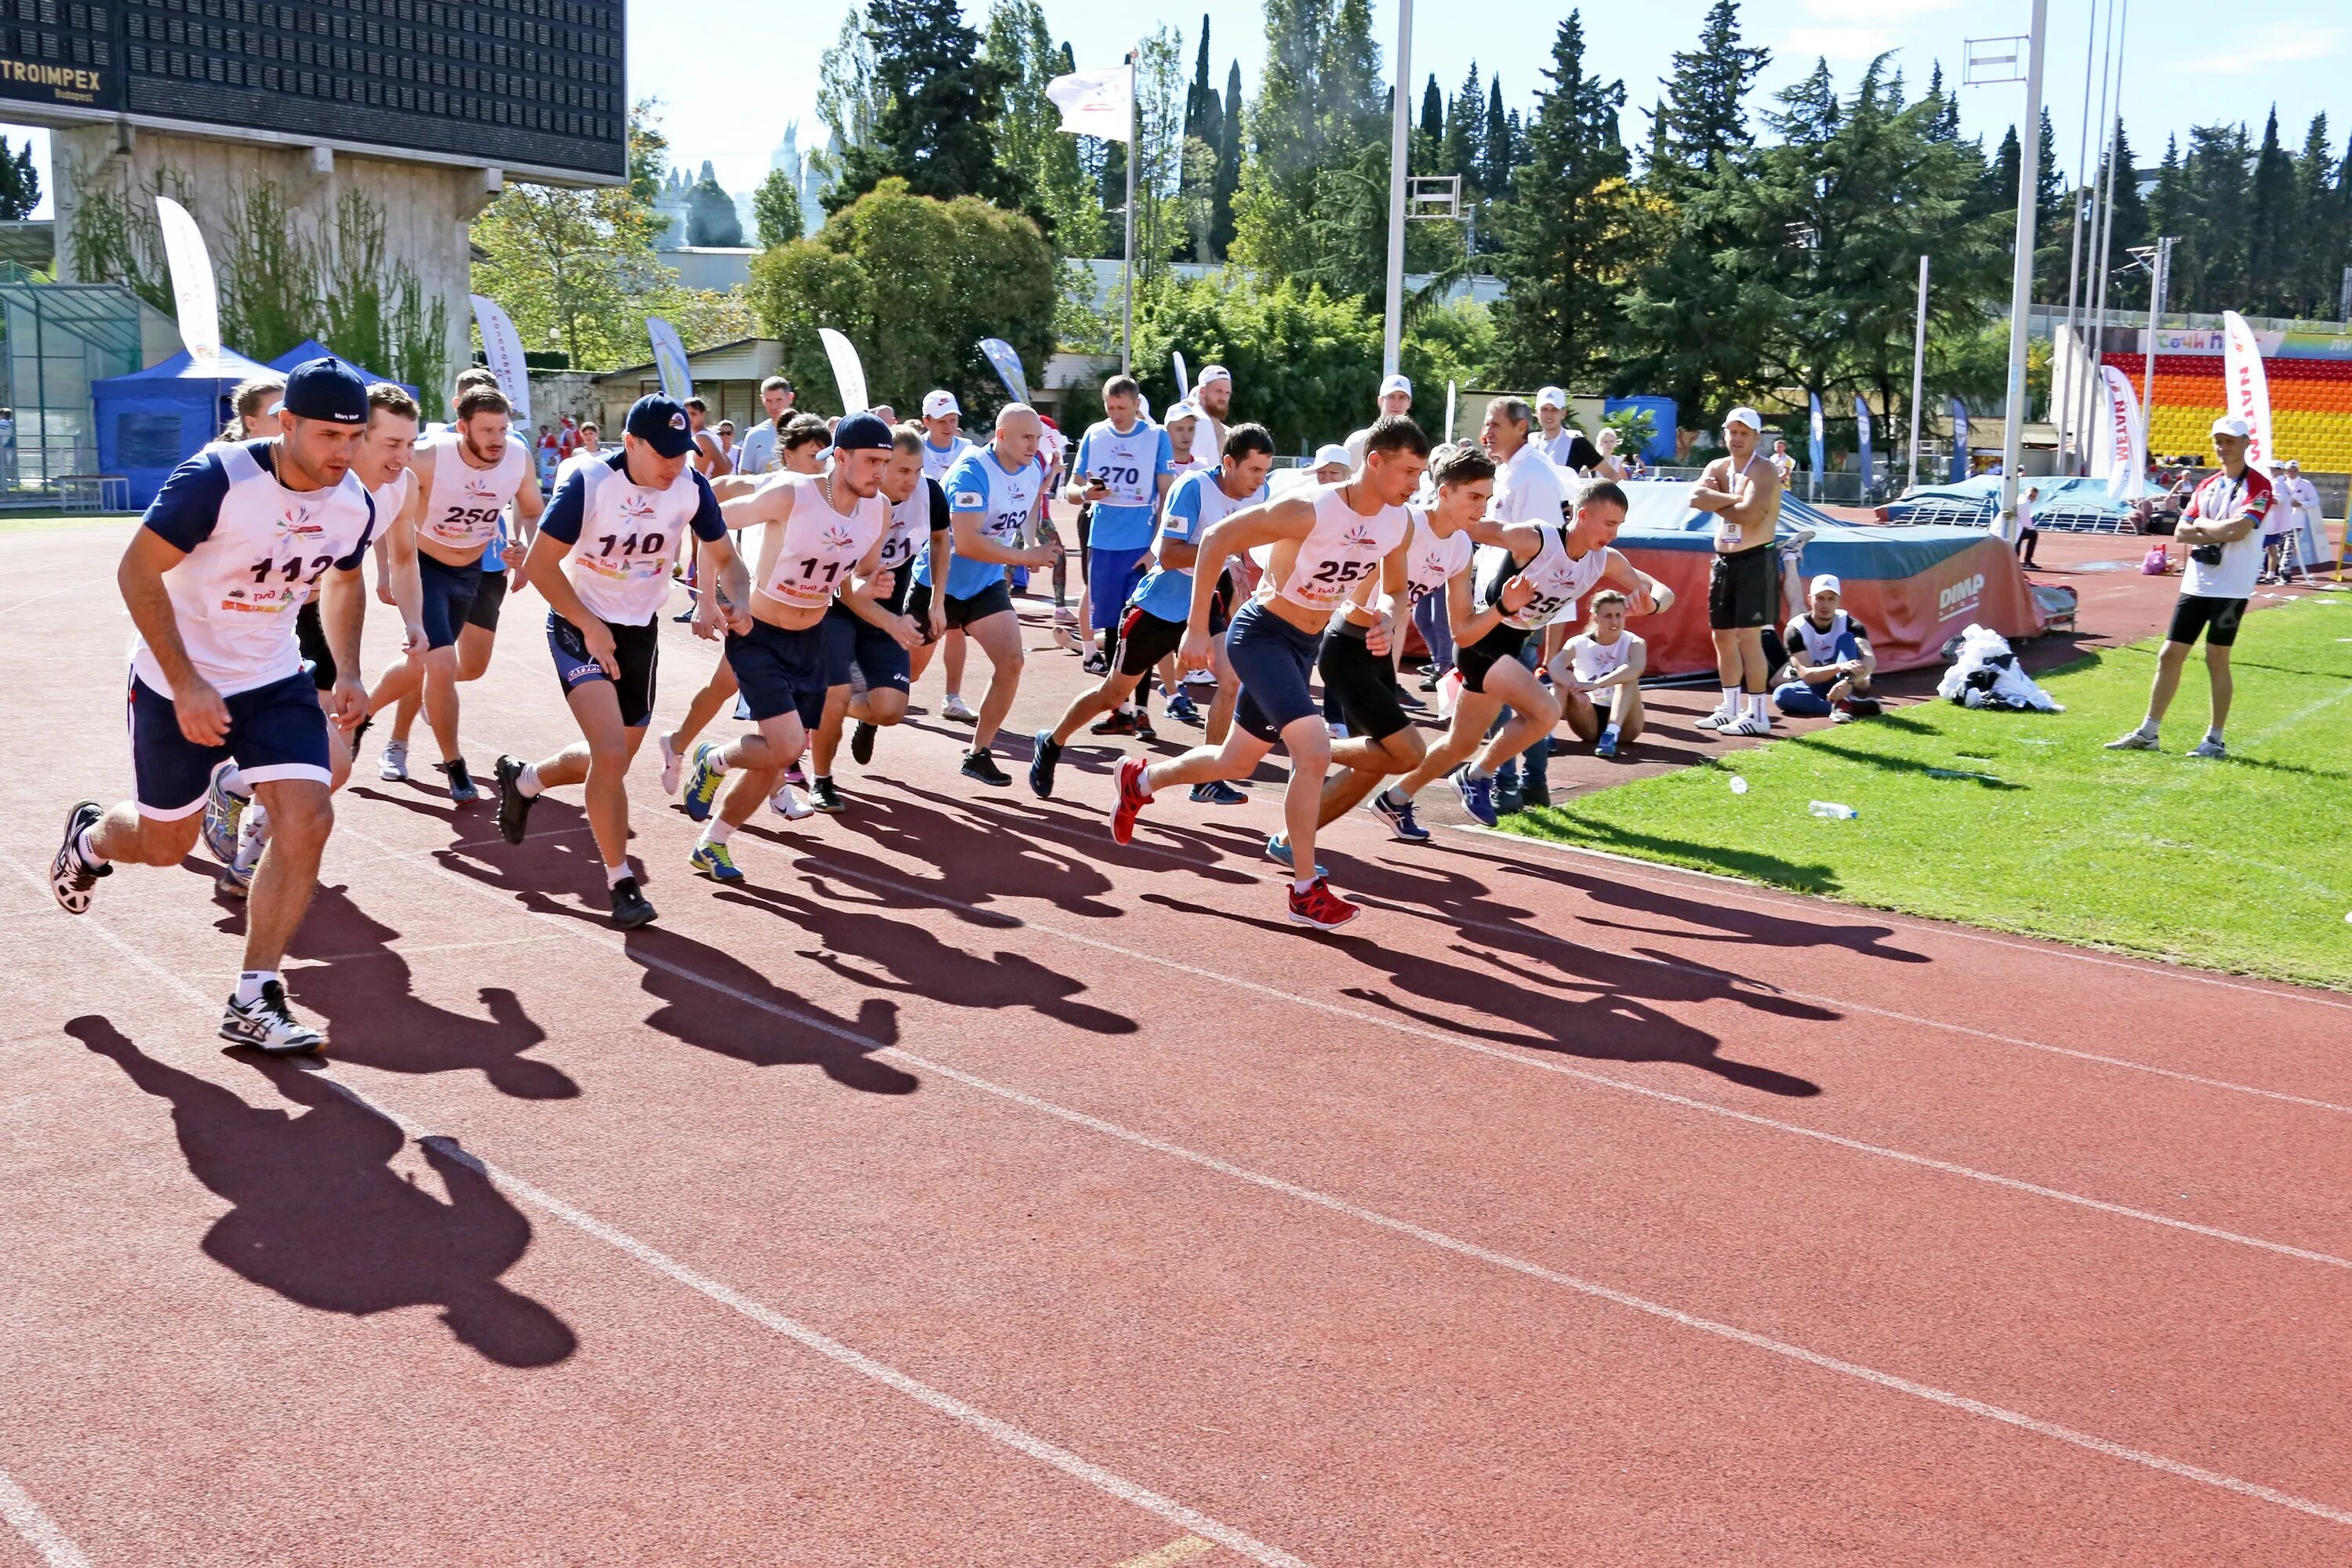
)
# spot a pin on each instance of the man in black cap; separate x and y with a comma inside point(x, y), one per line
point(238, 539)
point(606, 545)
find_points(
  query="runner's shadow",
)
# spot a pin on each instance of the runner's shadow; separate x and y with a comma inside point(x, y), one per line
point(321, 1217)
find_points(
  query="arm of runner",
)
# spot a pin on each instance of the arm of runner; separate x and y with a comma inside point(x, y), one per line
point(397, 563)
point(734, 487)
point(870, 584)
point(204, 716)
point(528, 503)
point(1644, 594)
point(971, 539)
point(728, 603)
point(942, 556)
point(542, 567)
point(1395, 598)
point(342, 616)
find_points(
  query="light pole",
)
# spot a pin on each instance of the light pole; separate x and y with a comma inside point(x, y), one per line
point(1918, 373)
point(1126, 333)
point(2021, 292)
point(1400, 147)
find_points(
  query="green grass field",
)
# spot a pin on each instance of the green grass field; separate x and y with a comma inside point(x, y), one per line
point(2024, 823)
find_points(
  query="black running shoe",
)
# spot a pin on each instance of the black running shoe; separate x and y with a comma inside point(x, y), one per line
point(824, 798)
point(1143, 730)
point(514, 806)
point(267, 1023)
point(982, 766)
point(1095, 663)
point(1045, 753)
point(861, 742)
point(462, 788)
point(71, 877)
point(630, 909)
point(1119, 722)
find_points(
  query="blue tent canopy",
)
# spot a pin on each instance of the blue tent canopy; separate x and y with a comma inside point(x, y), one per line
point(310, 349)
point(152, 420)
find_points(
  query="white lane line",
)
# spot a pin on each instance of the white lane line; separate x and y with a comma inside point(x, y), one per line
point(1373, 1217)
point(394, 950)
point(39, 1530)
point(1106, 1481)
point(1181, 1550)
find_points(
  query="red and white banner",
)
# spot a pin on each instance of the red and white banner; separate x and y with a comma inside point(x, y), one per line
point(2121, 456)
point(2245, 390)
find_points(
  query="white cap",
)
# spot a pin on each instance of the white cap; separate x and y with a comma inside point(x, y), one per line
point(1396, 383)
point(1176, 411)
point(2295, 464)
point(1210, 373)
point(1334, 453)
point(1552, 397)
point(938, 404)
point(1743, 415)
point(1825, 584)
point(2230, 425)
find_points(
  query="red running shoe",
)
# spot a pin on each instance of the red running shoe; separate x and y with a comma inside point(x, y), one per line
point(1131, 800)
point(1321, 907)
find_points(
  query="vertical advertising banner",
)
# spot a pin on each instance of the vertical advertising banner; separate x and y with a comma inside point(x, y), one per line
point(192, 290)
point(2246, 390)
point(669, 360)
point(502, 351)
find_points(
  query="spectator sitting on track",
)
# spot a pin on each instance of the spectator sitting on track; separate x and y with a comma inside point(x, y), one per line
point(1598, 676)
point(1830, 661)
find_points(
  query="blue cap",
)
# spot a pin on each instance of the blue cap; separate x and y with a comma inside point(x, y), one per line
point(661, 422)
point(327, 389)
point(863, 432)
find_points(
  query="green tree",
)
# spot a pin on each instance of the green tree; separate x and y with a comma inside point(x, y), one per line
point(2218, 188)
point(776, 209)
point(1702, 121)
point(710, 215)
point(1286, 144)
point(1229, 167)
point(1432, 113)
point(2315, 291)
point(849, 91)
point(1497, 150)
point(20, 183)
point(2128, 284)
point(2274, 248)
point(1466, 119)
point(1037, 155)
point(941, 98)
point(2051, 240)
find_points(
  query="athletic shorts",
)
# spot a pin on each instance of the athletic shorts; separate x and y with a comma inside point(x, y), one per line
point(450, 595)
point(856, 646)
point(488, 600)
point(1144, 639)
point(637, 649)
point(311, 635)
point(1111, 579)
point(1086, 530)
point(275, 732)
point(1272, 659)
point(1363, 683)
point(1744, 589)
point(995, 599)
point(780, 672)
point(1502, 644)
point(2217, 618)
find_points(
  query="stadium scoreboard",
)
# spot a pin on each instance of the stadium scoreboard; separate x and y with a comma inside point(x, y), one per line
point(533, 86)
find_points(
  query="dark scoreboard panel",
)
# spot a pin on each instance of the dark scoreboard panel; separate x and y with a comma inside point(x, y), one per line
point(517, 83)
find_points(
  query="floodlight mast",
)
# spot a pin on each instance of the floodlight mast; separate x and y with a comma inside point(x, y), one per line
point(2020, 292)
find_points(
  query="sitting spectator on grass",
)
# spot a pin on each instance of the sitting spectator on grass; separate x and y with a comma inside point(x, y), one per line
point(1598, 676)
point(1830, 661)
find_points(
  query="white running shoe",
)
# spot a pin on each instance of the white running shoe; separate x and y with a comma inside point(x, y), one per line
point(787, 804)
point(957, 709)
point(1749, 725)
point(267, 1024)
point(2138, 741)
point(672, 765)
point(392, 766)
point(2208, 749)
point(1718, 719)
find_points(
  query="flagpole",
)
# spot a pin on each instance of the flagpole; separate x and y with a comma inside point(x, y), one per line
point(1919, 373)
point(2021, 293)
point(1400, 151)
point(1127, 269)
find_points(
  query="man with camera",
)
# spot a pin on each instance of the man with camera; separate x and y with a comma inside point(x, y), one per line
point(2222, 529)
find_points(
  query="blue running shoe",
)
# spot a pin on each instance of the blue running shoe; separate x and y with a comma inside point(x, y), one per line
point(1477, 795)
point(702, 784)
point(1217, 791)
point(1181, 709)
point(1278, 849)
point(712, 860)
point(1402, 825)
point(224, 814)
point(1605, 747)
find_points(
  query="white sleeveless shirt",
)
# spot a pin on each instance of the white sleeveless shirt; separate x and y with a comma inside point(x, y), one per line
point(820, 546)
point(461, 510)
point(1343, 548)
point(620, 560)
point(1558, 578)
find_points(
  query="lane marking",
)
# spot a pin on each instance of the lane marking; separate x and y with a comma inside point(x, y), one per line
point(39, 1530)
point(1179, 1551)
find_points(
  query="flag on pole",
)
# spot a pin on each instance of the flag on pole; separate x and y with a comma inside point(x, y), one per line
point(1007, 361)
point(1815, 448)
point(1183, 382)
point(848, 373)
point(2122, 453)
point(2246, 390)
point(1861, 427)
point(192, 282)
point(669, 360)
point(1959, 440)
point(1096, 103)
point(502, 351)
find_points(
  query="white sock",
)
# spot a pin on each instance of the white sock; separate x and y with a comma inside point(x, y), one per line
point(2148, 727)
point(1731, 698)
point(527, 783)
point(717, 830)
point(717, 760)
point(1757, 709)
point(234, 782)
point(1609, 731)
point(86, 846)
point(249, 984)
point(616, 875)
point(1300, 884)
point(2214, 734)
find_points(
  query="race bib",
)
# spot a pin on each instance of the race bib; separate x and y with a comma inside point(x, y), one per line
point(625, 557)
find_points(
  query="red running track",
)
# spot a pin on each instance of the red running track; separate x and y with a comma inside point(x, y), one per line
point(966, 1189)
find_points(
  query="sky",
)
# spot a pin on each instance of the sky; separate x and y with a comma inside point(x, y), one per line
point(731, 78)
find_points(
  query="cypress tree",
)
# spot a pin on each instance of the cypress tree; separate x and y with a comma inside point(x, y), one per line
point(2273, 254)
point(1229, 167)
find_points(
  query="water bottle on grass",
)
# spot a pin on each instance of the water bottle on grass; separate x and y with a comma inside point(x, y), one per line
point(1833, 810)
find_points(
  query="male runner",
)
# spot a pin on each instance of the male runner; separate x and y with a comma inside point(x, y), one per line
point(238, 537)
point(1743, 490)
point(821, 539)
point(1598, 675)
point(468, 478)
point(709, 452)
point(1513, 589)
point(1830, 659)
point(992, 497)
point(1124, 470)
point(944, 446)
point(1326, 540)
point(603, 562)
point(863, 638)
point(1530, 488)
point(1154, 626)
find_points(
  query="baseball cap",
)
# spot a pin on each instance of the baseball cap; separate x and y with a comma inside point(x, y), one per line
point(939, 404)
point(660, 423)
point(1176, 411)
point(1825, 584)
point(1743, 415)
point(1334, 453)
point(1210, 373)
point(2228, 424)
point(327, 389)
point(864, 433)
point(1552, 397)
point(1396, 383)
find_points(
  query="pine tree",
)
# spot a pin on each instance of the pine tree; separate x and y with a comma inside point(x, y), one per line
point(1204, 135)
point(2273, 255)
point(1702, 121)
point(1466, 121)
point(941, 97)
point(2167, 217)
point(2216, 169)
point(2127, 283)
point(1229, 167)
point(20, 183)
point(2314, 294)
point(1433, 111)
point(1495, 149)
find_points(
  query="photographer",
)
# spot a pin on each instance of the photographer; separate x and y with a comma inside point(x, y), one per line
point(2222, 529)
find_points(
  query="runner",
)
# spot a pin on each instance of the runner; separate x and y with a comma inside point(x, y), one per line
point(1513, 588)
point(468, 478)
point(944, 446)
point(603, 562)
point(709, 456)
point(992, 497)
point(1325, 541)
point(1154, 625)
point(867, 656)
point(1124, 470)
point(238, 537)
point(1598, 676)
point(821, 539)
point(1743, 594)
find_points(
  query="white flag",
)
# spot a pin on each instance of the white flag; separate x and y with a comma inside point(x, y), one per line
point(849, 375)
point(669, 360)
point(2246, 390)
point(192, 282)
point(2121, 454)
point(502, 351)
point(1096, 103)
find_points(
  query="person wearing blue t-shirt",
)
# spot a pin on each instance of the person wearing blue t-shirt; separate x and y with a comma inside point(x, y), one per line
point(1124, 470)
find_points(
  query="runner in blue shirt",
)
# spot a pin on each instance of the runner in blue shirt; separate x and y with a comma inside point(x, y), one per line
point(1124, 470)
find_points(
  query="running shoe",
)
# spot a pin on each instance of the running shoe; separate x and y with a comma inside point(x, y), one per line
point(236, 879)
point(267, 1024)
point(787, 804)
point(981, 765)
point(861, 742)
point(1718, 719)
point(1403, 825)
point(1536, 794)
point(224, 811)
point(1319, 907)
point(702, 782)
point(1095, 663)
point(1131, 800)
point(1477, 794)
point(2138, 741)
point(1605, 748)
point(957, 709)
point(1181, 709)
point(1217, 791)
point(392, 766)
point(1120, 722)
point(673, 763)
point(71, 877)
point(514, 806)
point(714, 861)
point(1143, 730)
point(824, 798)
point(2209, 748)
point(1045, 754)
point(1278, 849)
point(233, 882)
point(462, 788)
point(1749, 725)
point(630, 909)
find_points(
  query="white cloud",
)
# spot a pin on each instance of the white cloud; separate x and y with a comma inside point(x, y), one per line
point(1837, 43)
point(1874, 12)
point(2272, 45)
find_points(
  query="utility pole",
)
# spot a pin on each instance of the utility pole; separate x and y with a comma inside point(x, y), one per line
point(2107, 224)
point(2069, 405)
point(1918, 373)
point(2159, 273)
point(1400, 150)
point(2021, 292)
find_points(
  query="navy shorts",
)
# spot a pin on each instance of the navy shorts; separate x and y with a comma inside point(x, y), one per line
point(781, 672)
point(449, 594)
point(854, 646)
point(637, 649)
point(1111, 579)
point(1273, 659)
point(995, 599)
point(487, 601)
point(275, 732)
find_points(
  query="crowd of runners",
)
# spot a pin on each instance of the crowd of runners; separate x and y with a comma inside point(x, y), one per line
point(830, 561)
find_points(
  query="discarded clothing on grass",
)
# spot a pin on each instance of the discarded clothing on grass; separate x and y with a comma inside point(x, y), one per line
point(1984, 674)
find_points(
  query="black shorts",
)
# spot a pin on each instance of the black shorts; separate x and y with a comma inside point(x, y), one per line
point(995, 599)
point(854, 647)
point(2217, 618)
point(450, 595)
point(1144, 639)
point(1086, 531)
point(637, 649)
point(1273, 659)
point(311, 635)
point(780, 672)
point(1363, 683)
point(1744, 589)
point(1501, 643)
point(487, 601)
